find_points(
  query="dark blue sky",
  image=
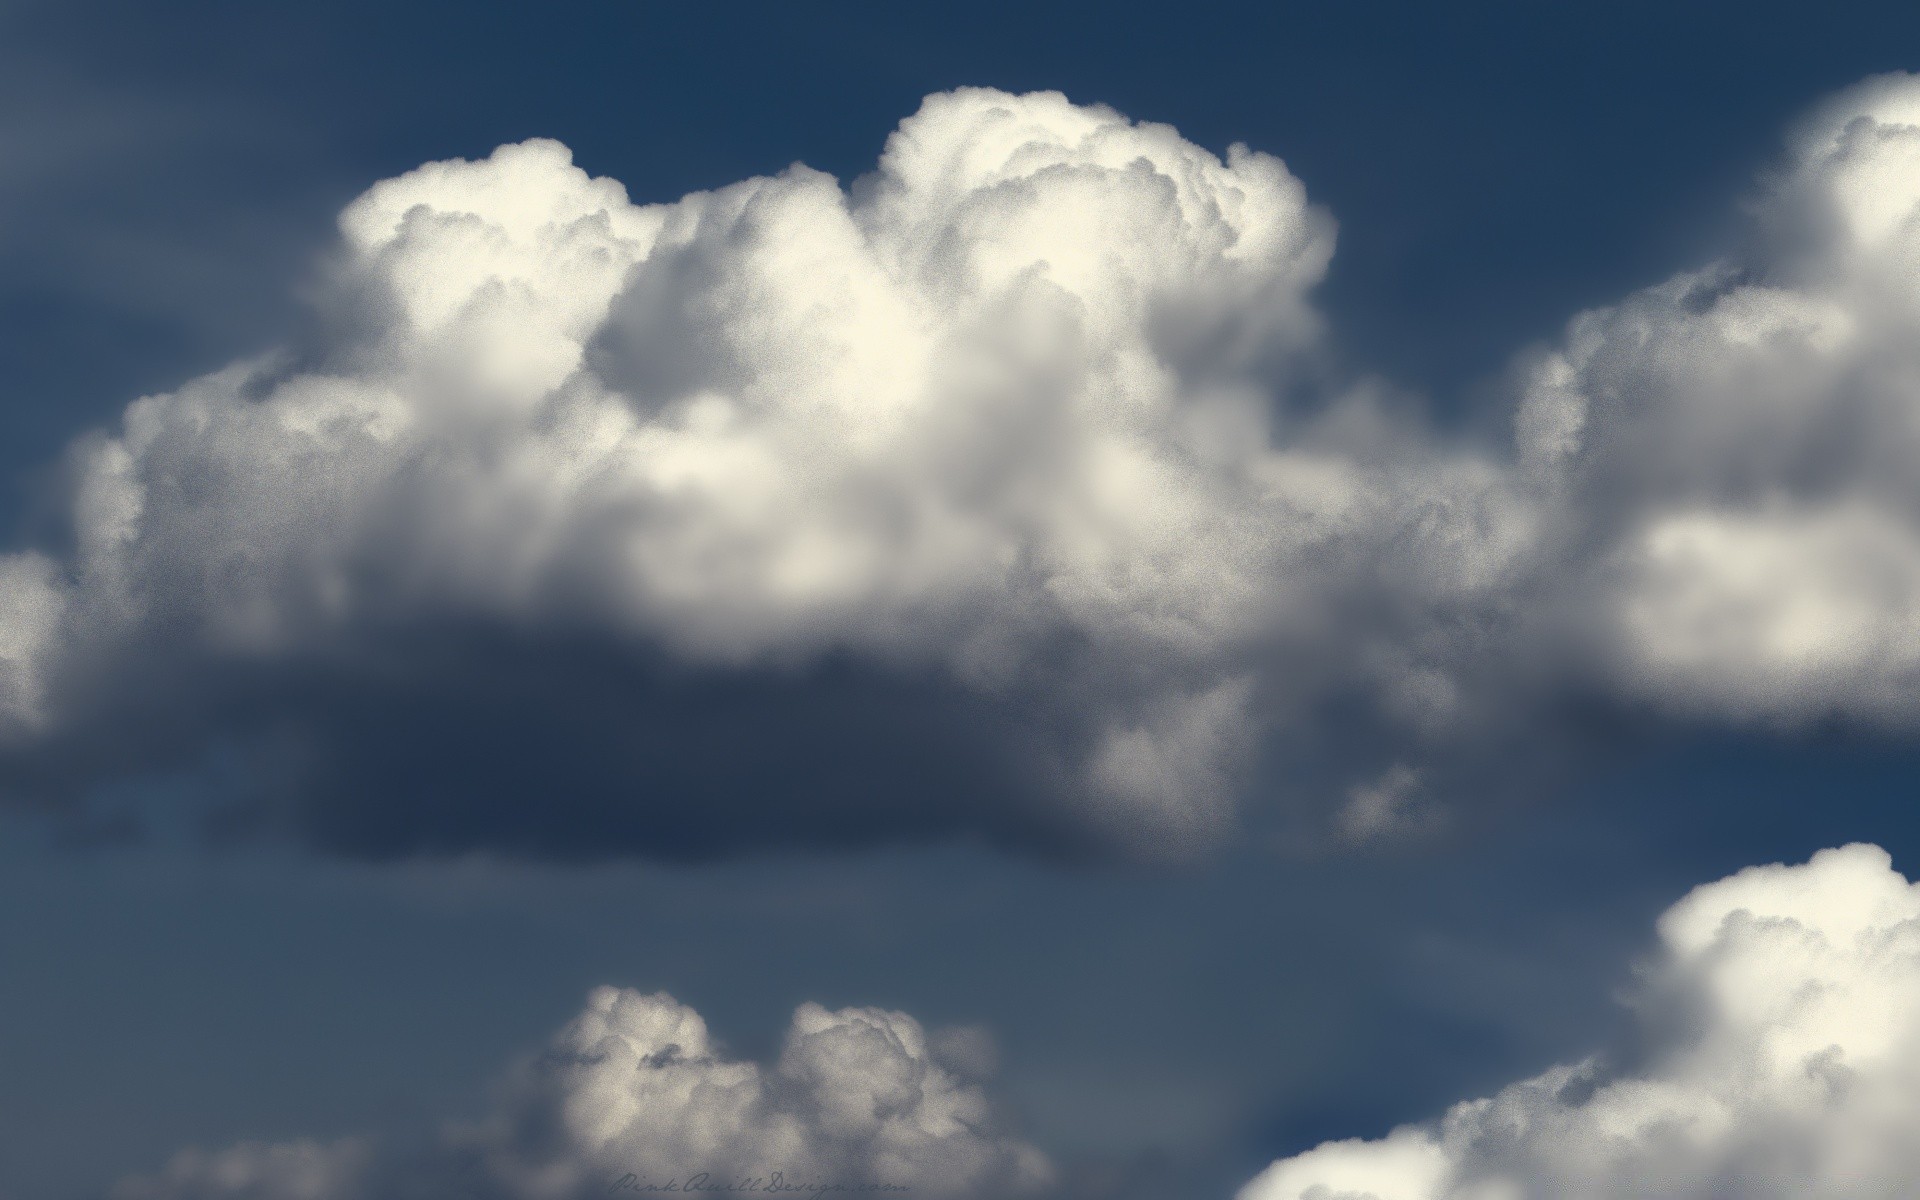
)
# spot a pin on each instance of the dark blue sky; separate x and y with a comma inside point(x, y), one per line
point(168, 175)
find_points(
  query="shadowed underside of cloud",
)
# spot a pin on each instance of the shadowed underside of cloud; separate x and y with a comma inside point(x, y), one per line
point(1003, 494)
point(454, 741)
point(1782, 1037)
point(635, 1089)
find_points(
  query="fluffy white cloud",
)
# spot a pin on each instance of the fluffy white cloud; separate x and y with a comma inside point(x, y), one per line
point(1004, 420)
point(635, 1086)
point(1733, 451)
point(1002, 412)
point(1782, 1060)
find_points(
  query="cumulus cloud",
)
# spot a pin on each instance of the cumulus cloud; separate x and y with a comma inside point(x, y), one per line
point(1006, 492)
point(1782, 1032)
point(635, 1089)
point(1731, 453)
point(993, 433)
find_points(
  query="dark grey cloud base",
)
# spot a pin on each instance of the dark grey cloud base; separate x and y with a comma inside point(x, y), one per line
point(446, 742)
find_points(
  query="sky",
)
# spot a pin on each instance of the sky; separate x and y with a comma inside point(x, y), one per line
point(1203, 581)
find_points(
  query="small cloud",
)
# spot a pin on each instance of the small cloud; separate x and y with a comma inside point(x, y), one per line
point(1392, 807)
point(635, 1089)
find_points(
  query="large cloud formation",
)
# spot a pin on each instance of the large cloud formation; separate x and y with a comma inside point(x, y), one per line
point(1007, 492)
point(633, 1095)
point(989, 438)
point(1781, 1061)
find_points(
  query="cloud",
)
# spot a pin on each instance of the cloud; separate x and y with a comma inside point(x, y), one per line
point(1387, 808)
point(1779, 1028)
point(1730, 453)
point(302, 1170)
point(1007, 493)
point(636, 1087)
point(990, 437)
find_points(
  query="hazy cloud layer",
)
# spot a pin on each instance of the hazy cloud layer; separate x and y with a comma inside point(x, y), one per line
point(1007, 490)
point(1780, 1026)
point(635, 1086)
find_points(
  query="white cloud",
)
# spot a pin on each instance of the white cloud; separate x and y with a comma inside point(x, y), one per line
point(1782, 1022)
point(636, 1086)
point(1001, 415)
point(1001, 412)
point(1750, 611)
point(1733, 450)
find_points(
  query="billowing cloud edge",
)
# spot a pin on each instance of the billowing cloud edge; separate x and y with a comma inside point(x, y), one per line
point(1778, 1031)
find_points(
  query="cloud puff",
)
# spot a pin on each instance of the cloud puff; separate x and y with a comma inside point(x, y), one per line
point(1781, 1025)
point(635, 1086)
point(994, 430)
point(1731, 453)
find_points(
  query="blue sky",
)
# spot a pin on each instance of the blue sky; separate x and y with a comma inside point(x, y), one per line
point(333, 959)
